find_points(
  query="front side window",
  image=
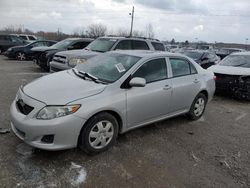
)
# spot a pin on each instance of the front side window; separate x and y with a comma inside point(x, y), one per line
point(108, 67)
point(124, 45)
point(181, 67)
point(31, 38)
point(153, 70)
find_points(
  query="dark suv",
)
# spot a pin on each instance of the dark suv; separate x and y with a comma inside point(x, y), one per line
point(43, 55)
point(7, 41)
point(69, 59)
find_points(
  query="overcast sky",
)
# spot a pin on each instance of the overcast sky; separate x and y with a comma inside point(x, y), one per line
point(208, 20)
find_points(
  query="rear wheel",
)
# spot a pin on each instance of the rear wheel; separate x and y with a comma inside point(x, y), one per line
point(20, 56)
point(99, 133)
point(198, 107)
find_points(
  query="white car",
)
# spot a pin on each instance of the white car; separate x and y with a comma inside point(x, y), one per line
point(233, 75)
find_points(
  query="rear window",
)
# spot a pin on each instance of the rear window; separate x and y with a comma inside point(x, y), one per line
point(158, 46)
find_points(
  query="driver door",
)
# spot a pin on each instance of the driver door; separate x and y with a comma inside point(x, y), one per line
point(152, 101)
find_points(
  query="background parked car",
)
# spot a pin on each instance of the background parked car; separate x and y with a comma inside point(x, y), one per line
point(223, 52)
point(7, 41)
point(204, 58)
point(67, 60)
point(26, 37)
point(233, 75)
point(43, 55)
point(25, 52)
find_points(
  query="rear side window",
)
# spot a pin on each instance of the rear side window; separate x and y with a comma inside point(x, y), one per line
point(158, 46)
point(181, 67)
point(140, 45)
point(23, 37)
point(153, 70)
point(124, 45)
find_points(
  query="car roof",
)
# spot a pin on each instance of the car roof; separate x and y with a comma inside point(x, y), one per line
point(146, 53)
point(241, 53)
point(79, 39)
point(133, 38)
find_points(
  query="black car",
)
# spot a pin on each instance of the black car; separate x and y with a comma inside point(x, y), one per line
point(24, 52)
point(43, 55)
point(7, 41)
point(204, 58)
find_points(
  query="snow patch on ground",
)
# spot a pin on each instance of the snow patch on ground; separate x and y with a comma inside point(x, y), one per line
point(80, 176)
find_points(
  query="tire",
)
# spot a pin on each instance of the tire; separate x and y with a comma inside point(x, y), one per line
point(21, 56)
point(98, 134)
point(198, 107)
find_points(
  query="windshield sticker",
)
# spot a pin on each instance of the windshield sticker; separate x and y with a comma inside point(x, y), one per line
point(120, 68)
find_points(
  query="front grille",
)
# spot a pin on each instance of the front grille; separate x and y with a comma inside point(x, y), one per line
point(23, 108)
point(59, 59)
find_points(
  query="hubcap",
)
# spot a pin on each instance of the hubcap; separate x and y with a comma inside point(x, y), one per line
point(101, 134)
point(21, 56)
point(199, 106)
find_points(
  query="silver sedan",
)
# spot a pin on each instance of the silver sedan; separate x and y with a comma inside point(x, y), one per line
point(112, 93)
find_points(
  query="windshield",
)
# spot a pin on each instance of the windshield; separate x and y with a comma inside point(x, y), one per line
point(193, 55)
point(101, 45)
point(62, 44)
point(108, 67)
point(236, 61)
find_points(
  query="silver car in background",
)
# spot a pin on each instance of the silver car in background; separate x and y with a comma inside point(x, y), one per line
point(112, 93)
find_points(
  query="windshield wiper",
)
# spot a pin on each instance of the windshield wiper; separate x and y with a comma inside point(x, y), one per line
point(85, 75)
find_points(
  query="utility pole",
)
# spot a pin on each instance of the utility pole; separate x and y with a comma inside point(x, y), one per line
point(132, 21)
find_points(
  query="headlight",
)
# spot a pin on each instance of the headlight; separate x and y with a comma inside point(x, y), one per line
point(74, 62)
point(51, 112)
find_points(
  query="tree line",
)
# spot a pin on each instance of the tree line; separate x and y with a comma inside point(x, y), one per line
point(91, 31)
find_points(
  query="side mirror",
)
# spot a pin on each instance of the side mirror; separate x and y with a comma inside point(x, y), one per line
point(137, 82)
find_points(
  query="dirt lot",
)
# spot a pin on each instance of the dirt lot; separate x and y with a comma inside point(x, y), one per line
point(211, 152)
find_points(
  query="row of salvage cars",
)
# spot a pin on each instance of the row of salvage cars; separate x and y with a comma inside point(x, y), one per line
point(107, 94)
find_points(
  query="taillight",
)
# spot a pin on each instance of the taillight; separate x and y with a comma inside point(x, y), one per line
point(215, 78)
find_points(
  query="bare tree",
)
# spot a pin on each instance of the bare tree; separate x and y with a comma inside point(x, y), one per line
point(137, 33)
point(149, 31)
point(96, 30)
point(122, 32)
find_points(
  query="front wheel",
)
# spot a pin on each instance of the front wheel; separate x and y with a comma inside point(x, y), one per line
point(99, 133)
point(20, 56)
point(198, 107)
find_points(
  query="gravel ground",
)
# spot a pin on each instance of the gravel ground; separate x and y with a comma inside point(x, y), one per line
point(211, 152)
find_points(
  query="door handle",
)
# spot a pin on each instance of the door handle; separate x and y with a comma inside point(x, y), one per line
point(167, 87)
point(196, 81)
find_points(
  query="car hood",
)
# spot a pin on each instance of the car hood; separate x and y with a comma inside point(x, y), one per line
point(86, 54)
point(43, 48)
point(61, 88)
point(230, 70)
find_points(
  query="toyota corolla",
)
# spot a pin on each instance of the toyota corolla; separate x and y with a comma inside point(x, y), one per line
point(107, 95)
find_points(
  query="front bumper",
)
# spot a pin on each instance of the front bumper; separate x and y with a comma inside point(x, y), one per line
point(65, 130)
point(9, 54)
point(56, 67)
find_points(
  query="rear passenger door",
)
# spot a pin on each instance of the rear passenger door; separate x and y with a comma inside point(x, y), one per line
point(186, 83)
